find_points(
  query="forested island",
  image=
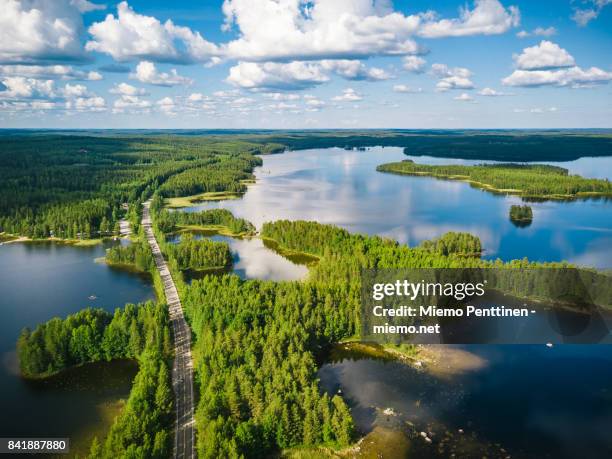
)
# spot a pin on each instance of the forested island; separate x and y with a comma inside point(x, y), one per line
point(256, 343)
point(521, 215)
point(527, 180)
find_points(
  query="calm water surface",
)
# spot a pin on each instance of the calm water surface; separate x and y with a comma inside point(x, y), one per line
point(343, 188)
point(39, 281)
point(253, 260)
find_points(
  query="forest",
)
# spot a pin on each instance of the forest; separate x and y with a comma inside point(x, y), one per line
point(136, 255)
point(73, 187)
point(140, 332)
point(538, 181)
point(198, 255)
point(521, 213)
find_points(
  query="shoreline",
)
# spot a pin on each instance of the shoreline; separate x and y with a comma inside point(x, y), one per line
point(505, 191)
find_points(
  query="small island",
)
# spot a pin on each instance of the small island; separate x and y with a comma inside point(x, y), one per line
point(527, 180)
point(521, 216)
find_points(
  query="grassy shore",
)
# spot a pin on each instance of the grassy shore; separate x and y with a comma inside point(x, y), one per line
point(530, 181)
point(188, 201)
point(9, 238)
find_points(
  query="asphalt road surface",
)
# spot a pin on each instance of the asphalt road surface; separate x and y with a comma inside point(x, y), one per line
point(182, 369)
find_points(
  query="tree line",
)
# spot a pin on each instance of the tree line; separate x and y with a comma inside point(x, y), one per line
point(535, 180)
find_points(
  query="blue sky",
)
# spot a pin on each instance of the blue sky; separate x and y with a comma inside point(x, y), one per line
point(305, 64)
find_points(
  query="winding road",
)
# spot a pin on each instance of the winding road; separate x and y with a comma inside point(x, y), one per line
point(182, 369)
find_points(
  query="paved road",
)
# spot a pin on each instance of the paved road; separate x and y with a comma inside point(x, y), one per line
point(182, 369)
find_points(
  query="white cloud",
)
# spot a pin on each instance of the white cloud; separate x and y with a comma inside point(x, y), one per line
point(281, 96)
point(488, 17)
point(546, 55)
point(38, 31)
point(348, 95)
point(64, 72)
point(490, 92)
point(85, 6)
point(464, 97)
point(94, 76)
point(74, 90)
point(146, 72)
point(272, 75)
point(315, 103)
point(452, 78)
point(166, 106)
point(414, 64)
point(87, 104)
point(132, 36)
point(574, 77)
point(545, 32)
point(323, 29)
point(354, 70)
point(402, 88)
point(582, 16)
point(538, 31)
point(125, 89)
point(21, 87)
point(535, 110)
point(132, 104)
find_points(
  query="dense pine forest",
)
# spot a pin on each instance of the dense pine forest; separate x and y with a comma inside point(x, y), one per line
point(523, 179)
point(74, 186)
point(144, 427)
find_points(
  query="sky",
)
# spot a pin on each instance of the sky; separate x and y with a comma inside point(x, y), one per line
point(297, 64)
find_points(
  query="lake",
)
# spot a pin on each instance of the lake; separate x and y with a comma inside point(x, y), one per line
point(342, 187)
point(524, 400)
point(253, 260)
point(42, 280)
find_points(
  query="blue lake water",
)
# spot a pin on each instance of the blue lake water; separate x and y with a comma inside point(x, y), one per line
point(39, 281)
point(343, 188)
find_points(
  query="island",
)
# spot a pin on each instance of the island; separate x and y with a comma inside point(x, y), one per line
point(521, 215)
point(527, 180)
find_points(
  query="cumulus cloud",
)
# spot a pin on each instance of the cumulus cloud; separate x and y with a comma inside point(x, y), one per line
point(63, 72)
point(131, 104)
point(272, 75)
point(74, 90)
point(85, 6)
point(414, 64)
point(127, 90)
point(272, 30)
point(323, 29)
point(38, 31)
point(547, 64)
point(546, 55)
point(355, 70)
point(464, 97)
point(574, 77)
point(146, 72)
point(452, 78)
point(132, 36)
point(87, 104)
point(402, 88)
point(489, 17)
point(539, 32)
point(490, 92)
point(348, 95)
point(20, 87)
point(582, 16)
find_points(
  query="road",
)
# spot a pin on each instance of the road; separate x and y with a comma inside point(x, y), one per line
point(182, 369)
